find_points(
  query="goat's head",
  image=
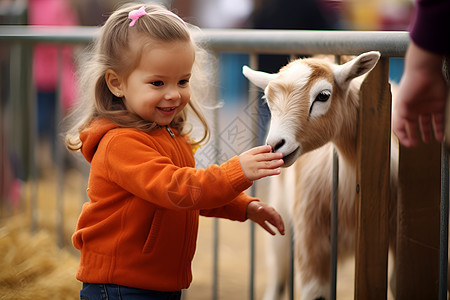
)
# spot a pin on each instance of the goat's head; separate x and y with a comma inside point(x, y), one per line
point(307, 99)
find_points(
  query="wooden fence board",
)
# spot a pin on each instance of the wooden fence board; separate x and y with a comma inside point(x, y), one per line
point(417, 259)
point(373, 185)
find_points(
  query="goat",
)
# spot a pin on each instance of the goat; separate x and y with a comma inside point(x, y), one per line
point(314, 106)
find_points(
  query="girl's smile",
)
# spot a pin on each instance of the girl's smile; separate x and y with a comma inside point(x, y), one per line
point(167, 110)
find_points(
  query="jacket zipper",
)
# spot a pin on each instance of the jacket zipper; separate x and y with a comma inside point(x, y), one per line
point(172, 135)
point(170, 131)
point(188, 236)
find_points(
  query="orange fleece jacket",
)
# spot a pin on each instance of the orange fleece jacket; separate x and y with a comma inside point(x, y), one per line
point(139, 228)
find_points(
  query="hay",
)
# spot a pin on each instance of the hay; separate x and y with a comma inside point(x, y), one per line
point(32, 266)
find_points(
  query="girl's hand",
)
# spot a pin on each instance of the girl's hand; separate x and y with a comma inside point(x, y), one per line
point(261, 162)
point(261, 213)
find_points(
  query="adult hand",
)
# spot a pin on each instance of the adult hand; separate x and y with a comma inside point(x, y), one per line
point(420, 104)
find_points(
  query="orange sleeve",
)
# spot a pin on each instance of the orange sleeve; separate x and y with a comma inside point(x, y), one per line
point(236, 210)
point(142, 170)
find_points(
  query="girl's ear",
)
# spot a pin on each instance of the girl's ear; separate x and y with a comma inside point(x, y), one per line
point(114, 83)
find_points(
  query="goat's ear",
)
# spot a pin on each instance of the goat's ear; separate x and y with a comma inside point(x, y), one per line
point(258, 78)
point(358, 66)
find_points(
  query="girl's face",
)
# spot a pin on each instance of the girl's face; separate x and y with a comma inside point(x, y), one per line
point(159, 88)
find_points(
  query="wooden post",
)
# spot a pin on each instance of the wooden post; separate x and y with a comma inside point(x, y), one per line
point(417, 259)
point(373, 173)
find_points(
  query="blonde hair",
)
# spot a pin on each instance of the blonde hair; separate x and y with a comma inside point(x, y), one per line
point(108, 53)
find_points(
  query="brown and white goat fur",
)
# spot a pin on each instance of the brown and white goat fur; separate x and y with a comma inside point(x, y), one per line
point(314, 106)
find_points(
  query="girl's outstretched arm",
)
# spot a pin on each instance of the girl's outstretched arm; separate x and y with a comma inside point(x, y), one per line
point(261, 162)
point(262, 213)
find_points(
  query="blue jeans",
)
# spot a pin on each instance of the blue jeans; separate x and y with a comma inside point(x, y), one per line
point(118, 292)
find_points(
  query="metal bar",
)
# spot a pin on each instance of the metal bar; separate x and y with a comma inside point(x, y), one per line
point(291, 278)
point(443, 253)
point(251, 286)
point(392, 43)
point(306, 42)
point(334, 226)
point(33, 133)
point(59, 155)
point(334, 218)
point(29, 130)
point(291, 283)
point(49, 34)
point(253, 99)
point(215, 285)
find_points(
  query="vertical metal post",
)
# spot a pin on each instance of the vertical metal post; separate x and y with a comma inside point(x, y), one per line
point(443, 253)
point(251, 291)
point(334, 226)
point(215, 259)
point(59, 156)
point(253, 94)
point(291, 282)
point(334, 218)
point(216, 220)
point(24, 121)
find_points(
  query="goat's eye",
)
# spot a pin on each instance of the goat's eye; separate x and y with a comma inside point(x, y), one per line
point(323, 96)
point(320, 104)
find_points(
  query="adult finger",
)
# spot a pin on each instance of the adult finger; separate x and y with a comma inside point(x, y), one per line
point(425, 127)
point(412, 134)
point(399, 128)
point(439, 126)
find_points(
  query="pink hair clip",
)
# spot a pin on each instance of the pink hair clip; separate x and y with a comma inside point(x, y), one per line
point(134, 15)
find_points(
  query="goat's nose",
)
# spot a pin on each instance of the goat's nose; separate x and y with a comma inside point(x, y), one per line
point(279, 145)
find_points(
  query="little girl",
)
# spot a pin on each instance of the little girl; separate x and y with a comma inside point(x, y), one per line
point(137, 235)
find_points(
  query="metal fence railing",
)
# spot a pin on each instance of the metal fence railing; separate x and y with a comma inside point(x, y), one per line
point(371, 250)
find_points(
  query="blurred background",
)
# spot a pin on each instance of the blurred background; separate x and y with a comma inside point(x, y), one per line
point(34, 262)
